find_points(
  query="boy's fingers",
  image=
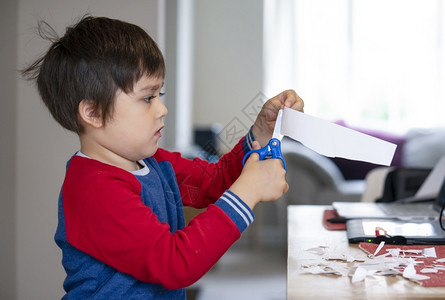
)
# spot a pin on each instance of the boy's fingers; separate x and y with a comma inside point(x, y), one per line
point(254, 156)
point(256, 145)
point(286, 188)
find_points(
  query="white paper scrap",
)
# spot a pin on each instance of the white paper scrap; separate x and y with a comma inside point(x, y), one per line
point(394, 252)
point(317, 250)
point(410, 272)
point(429, 252)
point(429, 270)
point(333, 140)
point(382, 243)
point(359, 274)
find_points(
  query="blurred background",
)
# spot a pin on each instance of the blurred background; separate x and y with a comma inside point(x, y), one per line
point(376, 66)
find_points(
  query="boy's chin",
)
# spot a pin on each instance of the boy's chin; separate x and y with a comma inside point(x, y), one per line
point(152, 151)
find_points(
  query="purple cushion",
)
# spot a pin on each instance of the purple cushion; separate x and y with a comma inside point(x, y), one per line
point(357, 169)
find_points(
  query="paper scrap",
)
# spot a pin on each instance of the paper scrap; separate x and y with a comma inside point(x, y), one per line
point(325, 260)
point(317, 250)
point(429, 270)
point(359, 274)
point(394, 252)
point(429, 252)
point(382, 243)
point(410, 273)
point(333, 140)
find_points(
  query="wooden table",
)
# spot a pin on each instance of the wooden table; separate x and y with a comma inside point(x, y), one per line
point(305, 231)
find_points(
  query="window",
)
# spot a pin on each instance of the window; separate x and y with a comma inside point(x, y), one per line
point(371, 63)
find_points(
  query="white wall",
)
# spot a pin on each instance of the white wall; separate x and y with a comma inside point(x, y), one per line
point(8, 116)
point(228, 60)
point(43, 147)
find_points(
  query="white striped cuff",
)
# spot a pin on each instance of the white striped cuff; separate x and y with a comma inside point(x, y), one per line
point(236, 209)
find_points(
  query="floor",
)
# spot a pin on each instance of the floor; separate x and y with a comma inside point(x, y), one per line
point(244, 272)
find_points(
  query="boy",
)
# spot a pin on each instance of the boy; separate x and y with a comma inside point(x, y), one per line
point(121, 223)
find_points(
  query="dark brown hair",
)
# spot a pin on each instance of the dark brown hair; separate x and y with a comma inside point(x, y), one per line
point(95, 57)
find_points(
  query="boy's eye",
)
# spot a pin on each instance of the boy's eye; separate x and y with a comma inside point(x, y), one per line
point(148, 99)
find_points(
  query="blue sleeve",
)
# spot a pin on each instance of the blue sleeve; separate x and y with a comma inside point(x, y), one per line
point(247, 142)
point(236, 209)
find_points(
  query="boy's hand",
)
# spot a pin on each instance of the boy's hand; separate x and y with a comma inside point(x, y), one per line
point(260, 181)
point(265, 122)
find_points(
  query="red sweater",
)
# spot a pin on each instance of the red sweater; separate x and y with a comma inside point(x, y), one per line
point(134, 222)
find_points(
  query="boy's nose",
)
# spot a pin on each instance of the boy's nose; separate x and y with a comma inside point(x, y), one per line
point(162, 109)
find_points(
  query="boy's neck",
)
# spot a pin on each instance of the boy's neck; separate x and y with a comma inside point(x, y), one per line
point(93, 151)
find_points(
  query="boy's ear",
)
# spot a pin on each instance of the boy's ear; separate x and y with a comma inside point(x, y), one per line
point(88, 114)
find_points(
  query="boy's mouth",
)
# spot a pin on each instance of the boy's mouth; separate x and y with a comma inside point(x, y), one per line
point(158, 133)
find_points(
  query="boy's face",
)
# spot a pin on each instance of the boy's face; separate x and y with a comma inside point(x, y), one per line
point(134, 129)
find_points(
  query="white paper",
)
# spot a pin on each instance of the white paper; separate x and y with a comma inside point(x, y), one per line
point(359, 275)
point(429, 270)
point(333, 140)
point(382, 243)
point(429, 252)
point(431, 186)
point(410, 273)
point(340, 263)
